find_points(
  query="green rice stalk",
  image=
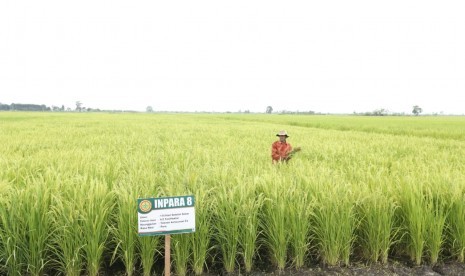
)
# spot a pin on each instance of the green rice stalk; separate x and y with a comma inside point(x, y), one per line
point(125, 230)
point(95, 217)
point(377, 221)
point(274, 226)
point(412, 208)
point(12, 233)
point(201, 238)
point(67, 237)
point(437, 210)
point(227, 225)
point(456, 225)
point(37, 201)
point(181, 247)
point(249, 225)
point(157, 150)
point(148, 248)
point(334, 223)
point(298, 221)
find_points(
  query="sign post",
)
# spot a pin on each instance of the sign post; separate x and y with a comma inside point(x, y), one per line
point(165, 216)
point(167, 255)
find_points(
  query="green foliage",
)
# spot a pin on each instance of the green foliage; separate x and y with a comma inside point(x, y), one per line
point(124, 231)
point(181, 247)
point(412, 203)
point(299, 212)
point(13, 234)
point(377, 225)
point(334, 223)
point(95, 217)
point(249, 224)
point(147, 250)
point(417, 110)
point(69, 231)
point(456, 223)
point(227, 223)
point(437, 210)
point(201, 239)
point(364, 187)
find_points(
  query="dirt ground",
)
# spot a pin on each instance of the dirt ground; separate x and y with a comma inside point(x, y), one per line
point(393, 268)
point(453, 269)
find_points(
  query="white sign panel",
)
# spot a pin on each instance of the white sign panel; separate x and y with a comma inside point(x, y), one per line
point(166, 215)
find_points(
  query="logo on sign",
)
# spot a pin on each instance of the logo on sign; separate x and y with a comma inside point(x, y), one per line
point(145, 206)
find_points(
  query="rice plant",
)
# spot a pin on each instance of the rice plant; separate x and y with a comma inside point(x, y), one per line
point(334, 223)
point(274, 225)
point(68, 249)
point(124, 231)
point(13, 234)
point(227, 226)
point(371, 187)
point(249, 225)
point(298, 216)
point(181, 251)
point(96, 229)
point(456, 224)
point(412, 209)
point(148, 249)
point(201, 239)
point(37, 201)
point(377, 226)
point(437, 210)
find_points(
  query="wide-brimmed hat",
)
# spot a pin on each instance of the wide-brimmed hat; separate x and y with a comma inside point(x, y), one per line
point(282, 133)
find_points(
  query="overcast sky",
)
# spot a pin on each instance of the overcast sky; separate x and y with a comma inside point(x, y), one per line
point(326, 56)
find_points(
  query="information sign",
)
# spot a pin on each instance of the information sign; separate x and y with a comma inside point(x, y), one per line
point(166, 215)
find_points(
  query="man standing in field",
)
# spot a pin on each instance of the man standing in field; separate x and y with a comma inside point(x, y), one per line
point(282, 150)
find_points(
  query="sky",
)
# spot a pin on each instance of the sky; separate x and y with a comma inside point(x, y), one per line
point(333, 56)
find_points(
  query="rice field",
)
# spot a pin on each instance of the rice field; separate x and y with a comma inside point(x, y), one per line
point(362, 188)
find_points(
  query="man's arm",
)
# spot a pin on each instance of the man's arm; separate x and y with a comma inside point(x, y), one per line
point(274, 152)
point(292, 152)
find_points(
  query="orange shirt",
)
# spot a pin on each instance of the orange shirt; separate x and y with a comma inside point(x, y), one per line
point(279, 151)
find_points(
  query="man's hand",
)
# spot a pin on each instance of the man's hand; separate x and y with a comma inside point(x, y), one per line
point(291, 153)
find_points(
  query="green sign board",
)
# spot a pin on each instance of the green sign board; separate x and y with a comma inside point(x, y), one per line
point(166, 215)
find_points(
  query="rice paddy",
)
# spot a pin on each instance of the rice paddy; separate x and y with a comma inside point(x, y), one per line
point(361, 188)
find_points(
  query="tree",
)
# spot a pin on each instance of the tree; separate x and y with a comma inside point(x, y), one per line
point(78, 106)
point(149, 109)
point(269, 109)
point(380, 112)
point(29, 107)
point(416, 110)
point(4, 106)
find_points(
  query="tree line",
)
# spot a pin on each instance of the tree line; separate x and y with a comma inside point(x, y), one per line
point(42, 107)
point(24, 107)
